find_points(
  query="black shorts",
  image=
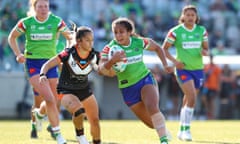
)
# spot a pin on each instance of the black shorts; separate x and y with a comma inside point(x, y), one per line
point(82, 94)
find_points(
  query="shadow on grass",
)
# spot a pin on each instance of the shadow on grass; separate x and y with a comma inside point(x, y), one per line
point(215, 142)
point(92, 143)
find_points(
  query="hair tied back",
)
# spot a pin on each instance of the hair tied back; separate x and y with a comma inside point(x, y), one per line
point(73, 26)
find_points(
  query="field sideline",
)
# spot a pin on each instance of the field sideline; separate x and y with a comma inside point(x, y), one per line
point(124, 132)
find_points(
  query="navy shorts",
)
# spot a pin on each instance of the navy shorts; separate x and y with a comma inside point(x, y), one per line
point(33, 67)
point(132, 94)
point(185, 75)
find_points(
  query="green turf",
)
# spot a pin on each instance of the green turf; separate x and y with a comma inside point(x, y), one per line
point(125, 132)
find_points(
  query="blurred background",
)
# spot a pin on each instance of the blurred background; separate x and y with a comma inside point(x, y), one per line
point(153, 18)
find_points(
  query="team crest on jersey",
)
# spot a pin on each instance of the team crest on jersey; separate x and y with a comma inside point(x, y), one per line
point(184, 36)
point(197, 35)
point(73, 64)
point(33, 27)
point(49, 27)
point(136, 49)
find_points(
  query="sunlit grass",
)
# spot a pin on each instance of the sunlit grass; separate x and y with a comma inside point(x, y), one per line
point(124, 132)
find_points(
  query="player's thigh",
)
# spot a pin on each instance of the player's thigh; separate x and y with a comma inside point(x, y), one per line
point(141, 112)
point(71, 103)
point(53, 85)
point(91, 108)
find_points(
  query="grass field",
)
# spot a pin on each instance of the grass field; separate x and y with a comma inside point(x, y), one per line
point(125, 132)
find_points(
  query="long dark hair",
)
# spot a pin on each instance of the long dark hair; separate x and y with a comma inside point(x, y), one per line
point(188, 7)
point(127, 23)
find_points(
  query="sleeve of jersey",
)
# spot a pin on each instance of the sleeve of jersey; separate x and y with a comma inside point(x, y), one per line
point(146, 43)
point(205, 35)
point(21, 28)
point(98, 56)
point(104, 53)
point(171, 37)
point(63, 56)
point(62, 26)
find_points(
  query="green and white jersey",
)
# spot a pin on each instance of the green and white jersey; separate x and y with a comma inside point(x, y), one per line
point(41, 37)
point(136, 69)
point(188, 44)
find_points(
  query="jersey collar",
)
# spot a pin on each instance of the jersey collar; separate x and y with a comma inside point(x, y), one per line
point(190, 30)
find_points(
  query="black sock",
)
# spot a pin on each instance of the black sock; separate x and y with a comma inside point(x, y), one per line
point(96, 141)
point(79, 132)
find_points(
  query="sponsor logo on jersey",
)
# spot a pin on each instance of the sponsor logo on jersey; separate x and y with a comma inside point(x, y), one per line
point(41, 28)
point(134, 59)
point(191, 45)
point(41, 36)
point(130, 50)
point(82, 62)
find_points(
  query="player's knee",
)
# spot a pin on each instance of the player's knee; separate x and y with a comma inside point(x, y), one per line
point(79, 112)
point(158, 120)
point(94, 120)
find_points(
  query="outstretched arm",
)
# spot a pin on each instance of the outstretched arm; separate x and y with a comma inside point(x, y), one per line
point(12, 40)
point(105, 68)
point(178, 64)
point(154, 46)
point(48, 65)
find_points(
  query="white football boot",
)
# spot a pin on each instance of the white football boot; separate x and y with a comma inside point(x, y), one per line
point(60, 139)
point(82, 139)
point(185, 135)
point(38, 119)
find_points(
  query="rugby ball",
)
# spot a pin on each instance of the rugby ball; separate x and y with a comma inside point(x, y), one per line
point(119, 66)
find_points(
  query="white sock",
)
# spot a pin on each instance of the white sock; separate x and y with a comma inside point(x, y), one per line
point(56, 130)
point(182, 116)
point(188, 115)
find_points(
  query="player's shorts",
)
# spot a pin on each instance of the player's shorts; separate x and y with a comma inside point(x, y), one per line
point(33, 67)
point(81, 94)
point(186, 75)
point(132, 94)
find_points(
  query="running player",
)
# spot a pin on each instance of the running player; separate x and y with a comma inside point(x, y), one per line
point(136, 82)
point(74, 88)
point(40, 29)
point(191, 43)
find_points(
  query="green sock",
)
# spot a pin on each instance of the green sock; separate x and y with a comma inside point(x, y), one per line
point(33, 126)
point(56, 134)
point(163, 139)
point(49, 126)
point(182, 128)
point(187, 128)
point(39, 116)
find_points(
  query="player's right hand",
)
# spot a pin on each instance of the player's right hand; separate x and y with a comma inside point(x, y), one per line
point(179, 65)
point(20, 58)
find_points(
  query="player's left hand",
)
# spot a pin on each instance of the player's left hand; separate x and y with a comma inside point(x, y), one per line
point(205, 52)
point(168, 69)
